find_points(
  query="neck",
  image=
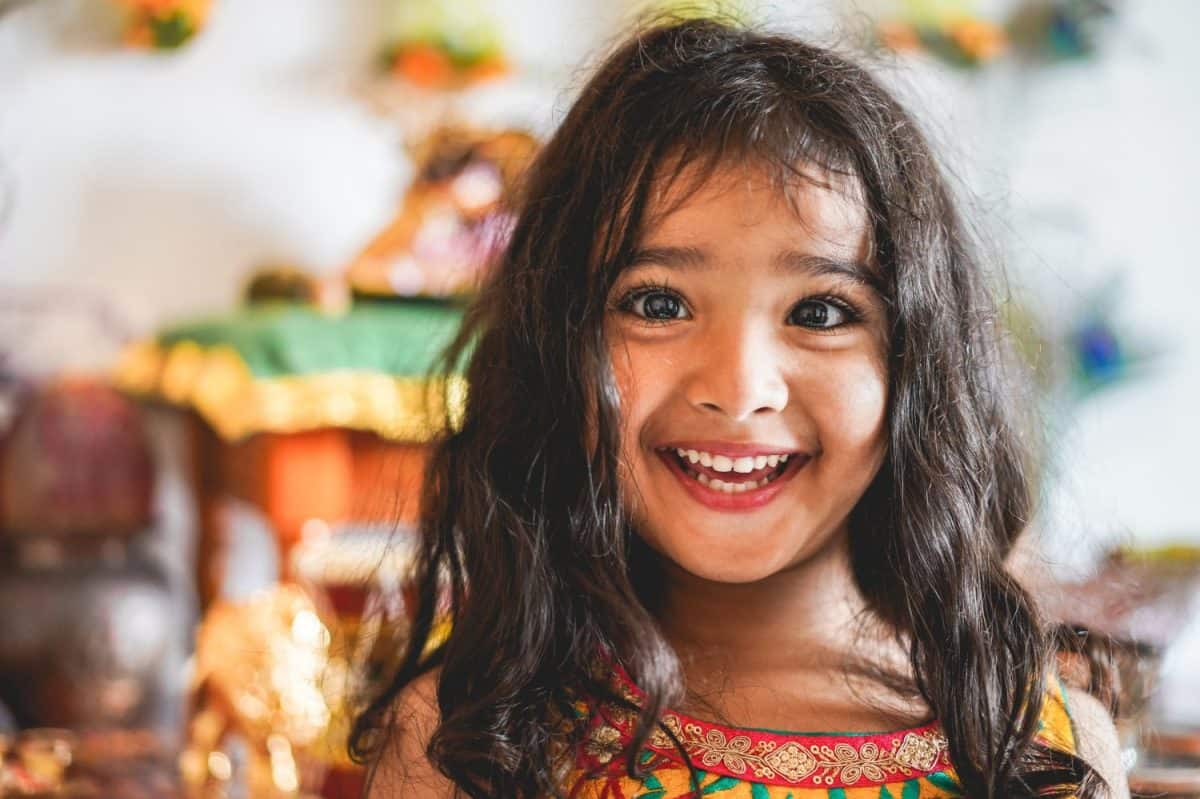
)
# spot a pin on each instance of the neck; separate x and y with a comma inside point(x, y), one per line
point(799, 644)
point(806, 615)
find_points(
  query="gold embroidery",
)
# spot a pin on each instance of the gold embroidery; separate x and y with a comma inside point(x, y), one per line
point(792, 761)
point(920, 751)
point(603, 743)
point(845, 762)
point(840, 763)
point(660, 739)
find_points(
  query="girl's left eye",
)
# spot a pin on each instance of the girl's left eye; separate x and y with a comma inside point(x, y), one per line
point(822, 314)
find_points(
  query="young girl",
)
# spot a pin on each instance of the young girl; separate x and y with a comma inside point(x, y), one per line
point(728, 508)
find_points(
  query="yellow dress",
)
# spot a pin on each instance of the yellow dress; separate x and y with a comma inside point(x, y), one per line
point(749, 763)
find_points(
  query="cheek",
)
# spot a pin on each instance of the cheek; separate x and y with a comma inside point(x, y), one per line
point(850, 405)
point(642, 379)
point(643, 385)
point(629, 398)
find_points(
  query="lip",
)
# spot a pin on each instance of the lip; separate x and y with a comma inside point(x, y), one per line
point(732, 449)
point(745, 501)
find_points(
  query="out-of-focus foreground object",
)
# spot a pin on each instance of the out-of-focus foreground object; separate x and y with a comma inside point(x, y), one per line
point(1145, 601)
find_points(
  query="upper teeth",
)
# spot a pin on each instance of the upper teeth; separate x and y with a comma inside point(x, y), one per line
point(722, 463)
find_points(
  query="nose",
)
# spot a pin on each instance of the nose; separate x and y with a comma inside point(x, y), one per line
point(738, 373)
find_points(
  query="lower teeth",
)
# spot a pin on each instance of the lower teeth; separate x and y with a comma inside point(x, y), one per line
point(730, 488)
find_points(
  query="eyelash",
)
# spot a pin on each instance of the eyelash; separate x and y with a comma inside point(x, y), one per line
point(644, 289)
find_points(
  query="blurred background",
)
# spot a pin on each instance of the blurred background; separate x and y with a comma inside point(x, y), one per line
point(234, 234)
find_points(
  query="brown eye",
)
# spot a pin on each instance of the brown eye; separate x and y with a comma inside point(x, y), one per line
point(821, 314)
point(656, 305)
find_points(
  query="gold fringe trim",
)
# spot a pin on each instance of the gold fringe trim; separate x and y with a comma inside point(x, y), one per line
point(217, 384)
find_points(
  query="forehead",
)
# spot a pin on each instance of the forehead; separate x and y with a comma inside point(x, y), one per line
point(822, 210)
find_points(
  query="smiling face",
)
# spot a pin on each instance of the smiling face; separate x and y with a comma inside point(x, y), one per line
point(751, 369)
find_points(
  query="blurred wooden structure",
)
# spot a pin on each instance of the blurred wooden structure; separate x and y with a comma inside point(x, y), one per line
point(332, 475)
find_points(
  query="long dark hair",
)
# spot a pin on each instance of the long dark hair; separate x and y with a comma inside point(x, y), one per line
point(523, 522)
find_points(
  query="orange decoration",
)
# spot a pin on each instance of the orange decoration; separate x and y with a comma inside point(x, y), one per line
point(154, 7)
point(982, 40)
point(162, 24)
point(899, 36)
point(424, 65)
point(489, 69)
point(139, 37)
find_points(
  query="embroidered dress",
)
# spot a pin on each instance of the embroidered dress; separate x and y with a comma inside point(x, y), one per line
point(748, 763)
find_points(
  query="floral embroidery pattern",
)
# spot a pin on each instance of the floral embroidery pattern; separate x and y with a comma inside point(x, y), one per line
point(772, 757)
point(920, 751)
point(603, 743)
point(761, 764)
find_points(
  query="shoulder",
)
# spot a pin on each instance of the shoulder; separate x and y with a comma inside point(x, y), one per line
point(403, 768)
point(1096, 739)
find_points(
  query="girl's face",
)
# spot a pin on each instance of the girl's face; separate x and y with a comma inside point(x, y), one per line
point(750, 362)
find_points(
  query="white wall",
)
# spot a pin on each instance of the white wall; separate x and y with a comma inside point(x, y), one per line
point(1102, 177)
point(158, 181)
point(1116, 144)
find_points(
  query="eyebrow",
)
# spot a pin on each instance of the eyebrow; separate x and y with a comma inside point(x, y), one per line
point(787, 262)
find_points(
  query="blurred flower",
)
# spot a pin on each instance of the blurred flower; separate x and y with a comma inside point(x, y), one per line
point(898, 36)
point(424, 64)
point(1048, 30)
point(162, 24)
point(447, 45)
point(978, 39)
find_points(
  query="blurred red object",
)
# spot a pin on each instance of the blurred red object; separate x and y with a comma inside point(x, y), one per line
point(77, 461)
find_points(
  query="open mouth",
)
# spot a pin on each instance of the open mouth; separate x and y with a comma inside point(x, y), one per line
point(732, 475)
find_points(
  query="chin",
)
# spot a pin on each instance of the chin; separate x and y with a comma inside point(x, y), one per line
point(732, 574)
point(724, 564)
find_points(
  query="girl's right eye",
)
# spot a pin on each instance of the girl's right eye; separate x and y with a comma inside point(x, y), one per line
point(654, 305)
